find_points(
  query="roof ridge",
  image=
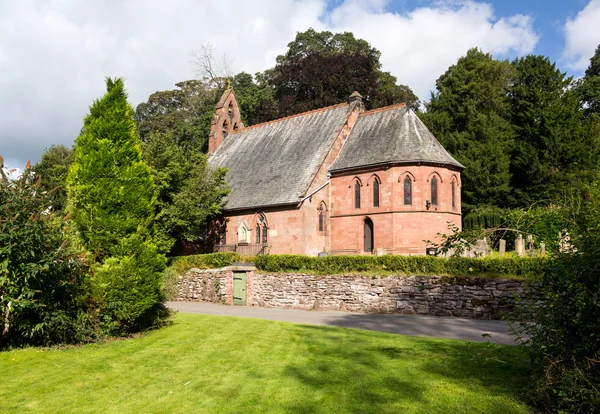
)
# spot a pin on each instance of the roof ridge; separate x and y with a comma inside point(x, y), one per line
point(383, 108)
point(285, 118)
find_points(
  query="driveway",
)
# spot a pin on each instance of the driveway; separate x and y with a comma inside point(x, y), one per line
point(412, 325)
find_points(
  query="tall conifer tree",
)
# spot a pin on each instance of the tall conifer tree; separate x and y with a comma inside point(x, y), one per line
point(470, 115)
point(553, 149)
point(110, 187)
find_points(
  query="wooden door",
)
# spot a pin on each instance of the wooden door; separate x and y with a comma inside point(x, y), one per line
point(368, 235)
point(239, 288)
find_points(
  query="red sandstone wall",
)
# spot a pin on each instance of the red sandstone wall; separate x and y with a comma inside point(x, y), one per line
point(398, 228)
point(296, 230)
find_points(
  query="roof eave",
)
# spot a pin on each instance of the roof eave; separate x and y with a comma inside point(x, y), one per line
point(396, 162)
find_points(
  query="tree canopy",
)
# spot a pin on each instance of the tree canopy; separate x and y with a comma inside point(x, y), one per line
point(553, 148)
point(109, 185)
point(470, 116)
point(53, 168)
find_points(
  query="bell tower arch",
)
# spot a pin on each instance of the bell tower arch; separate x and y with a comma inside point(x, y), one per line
point(226, 120)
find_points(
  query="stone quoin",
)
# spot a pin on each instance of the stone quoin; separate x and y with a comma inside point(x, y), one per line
point(339, 179)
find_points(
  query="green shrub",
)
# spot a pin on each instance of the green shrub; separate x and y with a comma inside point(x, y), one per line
point(128, 286)
point(564, 329)
point(43, 279)
point(181, 264)
point(518, 267)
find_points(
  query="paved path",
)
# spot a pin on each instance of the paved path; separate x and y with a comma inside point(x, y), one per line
point(455, 328)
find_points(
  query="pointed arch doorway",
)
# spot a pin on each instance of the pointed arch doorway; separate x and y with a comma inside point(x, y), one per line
point(368, 235)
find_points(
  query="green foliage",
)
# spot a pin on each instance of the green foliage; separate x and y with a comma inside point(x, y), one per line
point(127, 287)
point(185, 113)
point(322, 68)
point(470, 116)
point(554, 150)
point(53, 167)
point(483, 217)
point(189, 189)
point(544, 223)
point(43, 280)
point(110, 187)
point(182, 264)
point(564, 330)
point(519, 267)
point(255, 99)
point(588, 87)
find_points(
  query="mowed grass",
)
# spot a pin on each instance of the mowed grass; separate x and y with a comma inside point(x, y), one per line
point(209, 364)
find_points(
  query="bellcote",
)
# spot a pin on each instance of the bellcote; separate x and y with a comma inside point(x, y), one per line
point(226, 120)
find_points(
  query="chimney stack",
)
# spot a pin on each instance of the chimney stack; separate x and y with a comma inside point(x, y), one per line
point(355, 97)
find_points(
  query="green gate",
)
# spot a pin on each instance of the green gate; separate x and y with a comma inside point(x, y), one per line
point(239, 288)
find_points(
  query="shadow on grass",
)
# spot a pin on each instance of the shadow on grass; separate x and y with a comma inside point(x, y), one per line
point(365, 374)
point(432, 326)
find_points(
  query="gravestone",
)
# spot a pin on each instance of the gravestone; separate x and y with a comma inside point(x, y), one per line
point(482, 248)
point(502, 247)
point(520, 246)
point(530, 246)
point(542, 248)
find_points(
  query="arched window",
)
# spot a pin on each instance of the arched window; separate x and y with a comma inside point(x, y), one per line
point(453, 195)
point(375, 193)
point(322, 211)
point(230, 111)
point(225, 129)
point(357, 194)
point(434, 192)
point(261, 230)
point(407, 191)
point(222, 233)
point(264, 233)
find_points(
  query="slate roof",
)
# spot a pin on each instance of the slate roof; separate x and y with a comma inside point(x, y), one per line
point(274, 163)
point(393, 134)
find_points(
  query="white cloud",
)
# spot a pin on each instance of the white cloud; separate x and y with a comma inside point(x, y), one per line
point(54, 54)
point(582, 36)
point(418, 46)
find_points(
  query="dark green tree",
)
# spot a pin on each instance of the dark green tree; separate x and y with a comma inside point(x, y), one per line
point(588, 87)
point(184, 112)
point(53, 167)
point(189, 189)
point(255, 98)
point(323, 68)
point(554, 150)
point(110, 187)
point(470, 115)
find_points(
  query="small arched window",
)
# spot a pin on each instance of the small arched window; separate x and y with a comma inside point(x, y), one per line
point(264, 233)
point(453, 194)
point(322, 211)
point(375, 193)
point(434, 192)
point(225, 129)
point(230, 111)
point(357, 194)
point(407, 191)
point(222, 234)
point(257, 238)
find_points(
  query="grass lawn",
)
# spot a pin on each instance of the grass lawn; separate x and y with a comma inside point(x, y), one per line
point(209, 364)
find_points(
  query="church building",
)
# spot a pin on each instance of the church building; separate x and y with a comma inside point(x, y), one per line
point(339, 179)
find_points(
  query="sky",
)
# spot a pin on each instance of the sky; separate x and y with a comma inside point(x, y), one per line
point(55, 54)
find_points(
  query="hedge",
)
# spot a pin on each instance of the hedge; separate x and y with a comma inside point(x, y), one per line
point(508, 267)
point(181, 264)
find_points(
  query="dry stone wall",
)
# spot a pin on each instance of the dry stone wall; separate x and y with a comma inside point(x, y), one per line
point(423, 295)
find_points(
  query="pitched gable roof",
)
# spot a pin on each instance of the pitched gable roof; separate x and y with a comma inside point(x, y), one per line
point(274, 163)
point(393, 134)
